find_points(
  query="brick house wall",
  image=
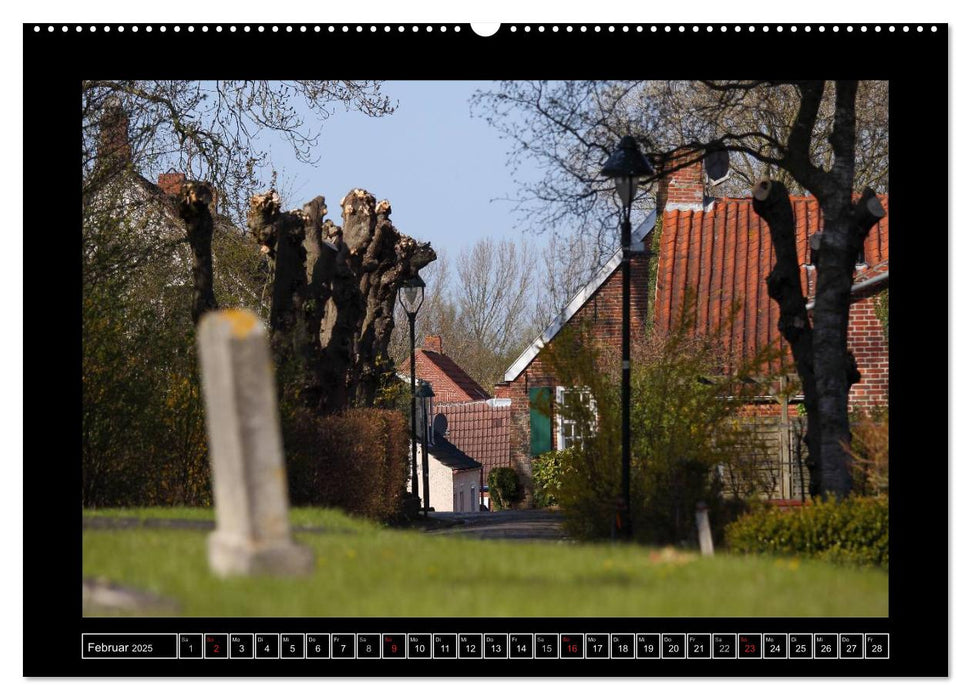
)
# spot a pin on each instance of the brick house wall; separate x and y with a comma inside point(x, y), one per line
point(868, 343)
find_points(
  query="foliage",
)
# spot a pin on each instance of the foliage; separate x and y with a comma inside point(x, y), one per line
point(548, 471)
point(682, 430)
point(143, 427)
point(504, 487)
point(855, 530)
point(356, 460)
point(869, 452)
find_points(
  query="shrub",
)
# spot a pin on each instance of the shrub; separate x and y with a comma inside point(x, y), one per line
point(869, 452)
point(853, 531)
point(356, 460)
point(681, 429)
point(504, 488)
point(548, 471)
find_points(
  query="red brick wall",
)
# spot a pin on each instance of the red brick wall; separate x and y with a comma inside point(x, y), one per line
point(445, 389)
point(682, 188)
point(869, 346)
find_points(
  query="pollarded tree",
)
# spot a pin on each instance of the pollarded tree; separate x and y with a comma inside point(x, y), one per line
point(828, 139)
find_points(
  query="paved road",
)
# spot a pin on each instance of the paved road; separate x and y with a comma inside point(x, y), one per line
point(504, 525)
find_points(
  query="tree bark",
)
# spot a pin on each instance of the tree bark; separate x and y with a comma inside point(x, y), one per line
point(193, 204)
point(825, 366)
point(771, 202)
point(334, 292)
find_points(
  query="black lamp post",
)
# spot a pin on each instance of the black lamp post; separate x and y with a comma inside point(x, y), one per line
point(626, 165)
point(411, 294)
point(425, 394)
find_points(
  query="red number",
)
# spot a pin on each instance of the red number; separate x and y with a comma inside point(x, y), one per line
point(394, 648)
point(215, 648)
point(749, 648)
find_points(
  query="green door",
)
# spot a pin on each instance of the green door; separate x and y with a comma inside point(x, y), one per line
point(540, 425)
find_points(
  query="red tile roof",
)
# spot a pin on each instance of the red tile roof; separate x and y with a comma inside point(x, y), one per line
point(480, 429)
point(720, 257)
point(449, 381)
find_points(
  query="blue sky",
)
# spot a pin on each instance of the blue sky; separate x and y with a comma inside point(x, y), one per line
point(443, 171)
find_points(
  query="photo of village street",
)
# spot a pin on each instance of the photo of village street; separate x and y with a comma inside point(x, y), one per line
point(485, 349)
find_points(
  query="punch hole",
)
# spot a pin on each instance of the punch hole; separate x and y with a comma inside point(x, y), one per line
point(485, 28)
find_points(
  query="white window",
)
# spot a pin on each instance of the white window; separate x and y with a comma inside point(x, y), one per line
point(576, 416)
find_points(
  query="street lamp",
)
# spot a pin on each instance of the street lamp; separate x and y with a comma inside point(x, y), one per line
point(411, 294)
point(425, 394)
point(626, 165)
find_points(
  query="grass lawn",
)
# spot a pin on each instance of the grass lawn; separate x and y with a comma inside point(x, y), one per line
point(366, 570)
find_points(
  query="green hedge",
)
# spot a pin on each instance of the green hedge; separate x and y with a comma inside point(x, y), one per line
point(853, 531)
point(504, 488)
point(356, 460)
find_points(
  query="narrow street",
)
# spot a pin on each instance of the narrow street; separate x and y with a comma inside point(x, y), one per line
point(504, 525)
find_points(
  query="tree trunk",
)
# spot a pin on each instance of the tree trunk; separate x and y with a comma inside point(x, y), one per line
point(193, 207)
point(771, 203)
point(334, 292)
point(826, 367)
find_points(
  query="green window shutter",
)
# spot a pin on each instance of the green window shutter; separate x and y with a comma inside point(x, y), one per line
point(540, 425)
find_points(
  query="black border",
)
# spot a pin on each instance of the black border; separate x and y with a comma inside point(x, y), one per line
point(55, 62)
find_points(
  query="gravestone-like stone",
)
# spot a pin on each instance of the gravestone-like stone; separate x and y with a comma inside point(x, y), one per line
point(704, 530)
point(249, 478)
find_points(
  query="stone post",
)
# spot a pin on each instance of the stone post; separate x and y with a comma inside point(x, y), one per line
point(704, 530)
point(249, 479)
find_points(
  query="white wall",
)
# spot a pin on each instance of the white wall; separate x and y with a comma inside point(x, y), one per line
point(444, 486)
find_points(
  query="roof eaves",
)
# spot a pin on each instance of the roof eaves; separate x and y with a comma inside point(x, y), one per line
point(579, 299)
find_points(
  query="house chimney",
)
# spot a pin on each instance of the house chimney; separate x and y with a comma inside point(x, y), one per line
point(433, 343)
point(171, 182)
point(114, 148)
point(682, 186)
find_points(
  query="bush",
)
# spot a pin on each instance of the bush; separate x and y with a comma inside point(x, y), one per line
point(548, 471)
point(853, 531)
point(869, 453)
point(504, 488)
point(682, 428)
point(356, 460)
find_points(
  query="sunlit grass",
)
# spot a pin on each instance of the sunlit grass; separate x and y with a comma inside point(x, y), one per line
point(364, 570)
